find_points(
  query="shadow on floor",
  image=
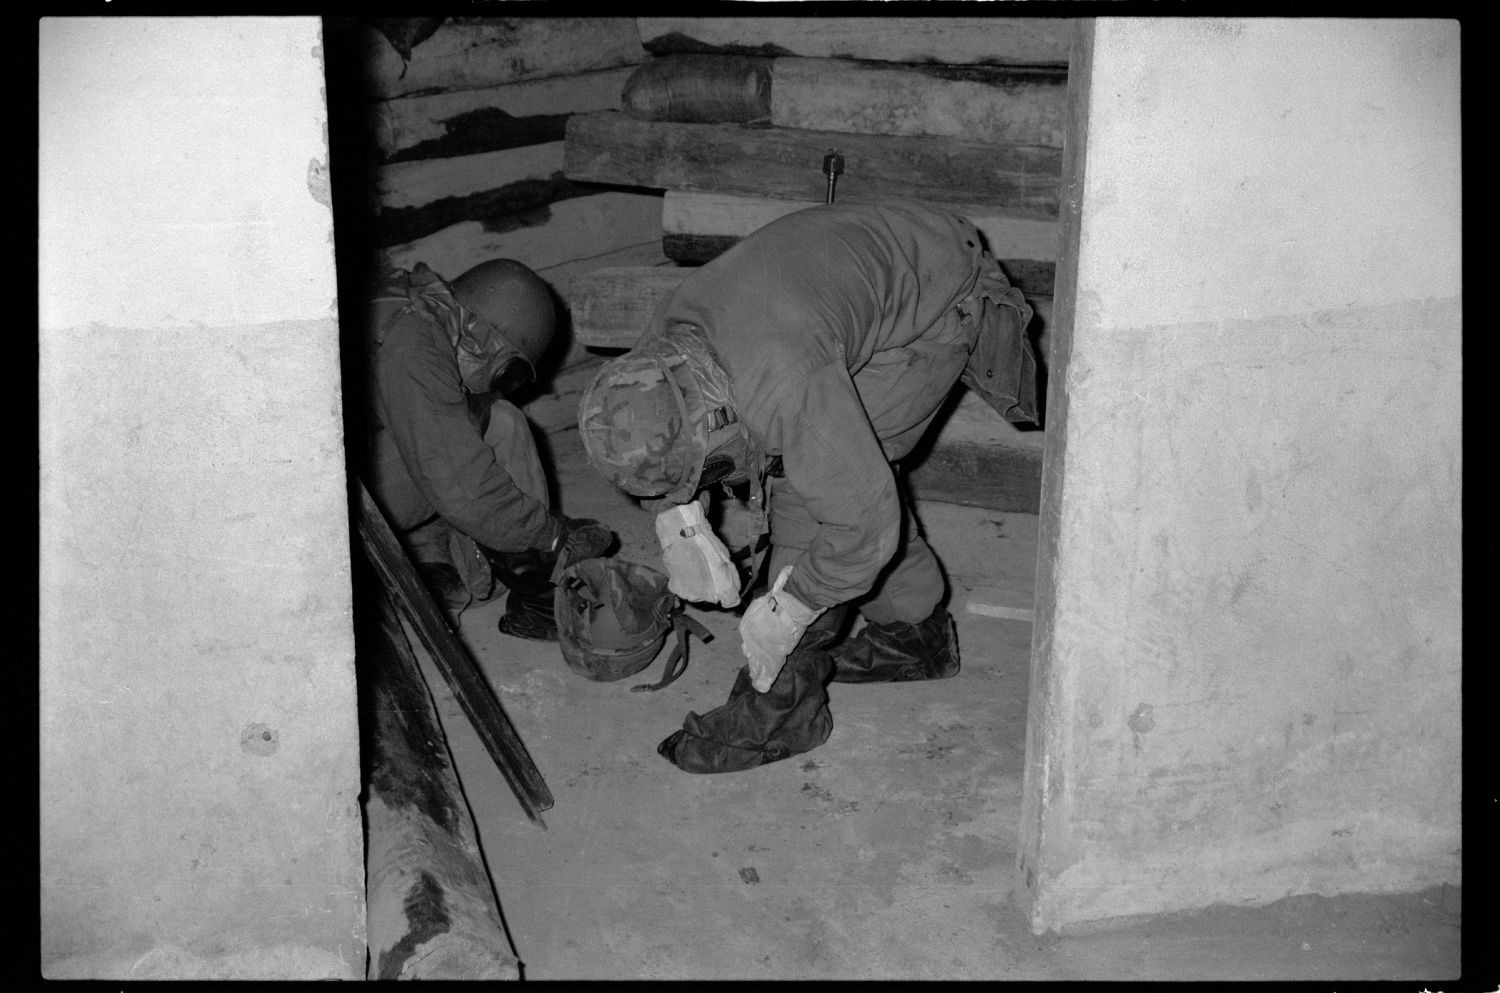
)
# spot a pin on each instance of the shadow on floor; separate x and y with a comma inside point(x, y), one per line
point(887, 853)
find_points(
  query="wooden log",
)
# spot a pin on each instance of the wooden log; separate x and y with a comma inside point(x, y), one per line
point(698, 227)
point(971, 103)
point(553, 234)
point(473, 692)
point(699, 89)
point(480, 52)
point(526, 203)
point(473, 120)
point(990, 476)
point(561, 278)
point(416, 184)
point(611, 147)
point(724, 215)
point(561, 275)
point(610, 306)
point(950, 40)
point(431, 907)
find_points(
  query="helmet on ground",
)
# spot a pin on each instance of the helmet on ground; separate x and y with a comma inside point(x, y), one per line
point(613, 617)
point(515, 304)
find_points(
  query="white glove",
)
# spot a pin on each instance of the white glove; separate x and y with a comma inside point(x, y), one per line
point(698, 566)
point(770, 629)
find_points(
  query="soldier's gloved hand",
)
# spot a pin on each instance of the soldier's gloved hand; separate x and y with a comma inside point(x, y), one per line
point(578, 538)
point(770, 629)
point(697, 563)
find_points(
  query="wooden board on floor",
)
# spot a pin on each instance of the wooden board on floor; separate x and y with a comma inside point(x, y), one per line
point(428, 122)
point(611, 147)
point(474, 694)
point(970, 103)
point(952, 40)
point(467, 54)
point(564, 231)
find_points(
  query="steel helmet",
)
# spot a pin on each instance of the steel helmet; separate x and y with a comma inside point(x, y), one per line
point(646, 417)
point(515, 303)
point(613, 617)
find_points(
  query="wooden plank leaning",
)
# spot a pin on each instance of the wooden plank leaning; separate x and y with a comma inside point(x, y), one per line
point(474, 694)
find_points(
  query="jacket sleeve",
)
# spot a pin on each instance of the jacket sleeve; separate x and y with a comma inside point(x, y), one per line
point(425, 409)
point(834, 463)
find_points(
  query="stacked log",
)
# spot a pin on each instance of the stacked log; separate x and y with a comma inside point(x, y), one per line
point(967, 113)
point(464, 121)
point(432, 911)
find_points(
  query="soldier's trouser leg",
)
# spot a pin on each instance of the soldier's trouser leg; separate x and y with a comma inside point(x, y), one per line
point(427, 538)
point(527, 577)
point(908, 632)
point(452, 564)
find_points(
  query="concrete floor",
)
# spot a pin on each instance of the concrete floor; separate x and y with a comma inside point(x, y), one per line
point(887, 853)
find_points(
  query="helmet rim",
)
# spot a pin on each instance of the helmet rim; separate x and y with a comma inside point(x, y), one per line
point(602, 663)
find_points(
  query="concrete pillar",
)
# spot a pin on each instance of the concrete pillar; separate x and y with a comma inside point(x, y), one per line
point(198, 719)
point(1246, 675)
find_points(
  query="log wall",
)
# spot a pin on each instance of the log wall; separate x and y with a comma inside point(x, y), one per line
point(463, 122)
point(968, 113)
point(590, 147)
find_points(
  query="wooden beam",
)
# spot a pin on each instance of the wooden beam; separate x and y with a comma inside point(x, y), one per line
point(525, 203)
point(556, 233)
point(432, 911)
point(698, 227)
point(476, 53)
point(416, 184)
point(717, 215)
point(699, 88)
point(462, 674)
point(951, 40)
point(610, 147)
point(971, 103)
point(561, 278)
point(994, 477)
point(426, 126)
point(611, 305)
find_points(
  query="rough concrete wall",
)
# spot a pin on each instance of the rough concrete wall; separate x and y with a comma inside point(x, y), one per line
point(199, 766)
point(1247, 658)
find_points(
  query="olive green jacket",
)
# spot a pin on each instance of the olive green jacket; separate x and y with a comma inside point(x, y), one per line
point(843, 328)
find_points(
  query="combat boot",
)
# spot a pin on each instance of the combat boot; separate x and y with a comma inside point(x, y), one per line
point(529, 605)
point(899, 652)
point(752, 728)
point(447, 587)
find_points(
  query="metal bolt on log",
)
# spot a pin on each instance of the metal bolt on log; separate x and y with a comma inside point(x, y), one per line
point(833, 165)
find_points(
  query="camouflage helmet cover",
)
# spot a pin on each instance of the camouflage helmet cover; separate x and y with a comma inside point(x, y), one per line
point(644, 422)
point(613, 617)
